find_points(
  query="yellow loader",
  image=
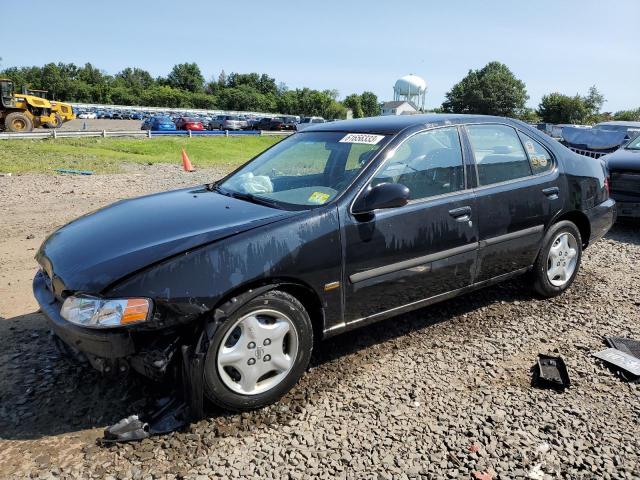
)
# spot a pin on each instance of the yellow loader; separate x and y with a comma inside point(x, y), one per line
point(22, 113)
point(63, 112)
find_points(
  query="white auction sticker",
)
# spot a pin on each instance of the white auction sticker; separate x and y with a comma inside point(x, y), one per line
point(366, 138)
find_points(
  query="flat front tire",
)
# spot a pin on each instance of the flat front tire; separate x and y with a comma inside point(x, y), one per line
point(559, 259)
point(259, 353)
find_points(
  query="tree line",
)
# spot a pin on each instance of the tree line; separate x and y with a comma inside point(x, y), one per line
point(495, 90)
point(186, 87)
point(491, 90)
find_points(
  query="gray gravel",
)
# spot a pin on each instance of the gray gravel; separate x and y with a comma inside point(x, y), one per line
point(443, 392)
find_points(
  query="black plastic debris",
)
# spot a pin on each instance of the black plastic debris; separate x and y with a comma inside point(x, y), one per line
point(623, 357)
point(550, 372)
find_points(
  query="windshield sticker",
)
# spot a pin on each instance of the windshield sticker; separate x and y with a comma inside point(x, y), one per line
point(319, 197)
point(365, 138)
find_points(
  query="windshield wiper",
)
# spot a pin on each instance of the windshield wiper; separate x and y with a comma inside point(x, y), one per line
point(249, 197)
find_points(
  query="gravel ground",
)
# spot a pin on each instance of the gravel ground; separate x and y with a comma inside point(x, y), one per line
point(443, 392)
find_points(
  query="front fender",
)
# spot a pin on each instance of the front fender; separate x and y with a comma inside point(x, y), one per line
point(304, 249)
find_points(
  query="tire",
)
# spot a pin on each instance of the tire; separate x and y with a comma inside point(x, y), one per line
point(242, 338)
point(18, 122)
point(564, 259)
point(57, 123)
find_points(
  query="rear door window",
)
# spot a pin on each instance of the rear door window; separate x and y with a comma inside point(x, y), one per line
point(498, 153)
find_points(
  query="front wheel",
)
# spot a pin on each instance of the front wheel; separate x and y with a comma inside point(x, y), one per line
point(259, 353)
point(559, 259)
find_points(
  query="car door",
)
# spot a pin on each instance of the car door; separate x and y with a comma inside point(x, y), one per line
point(401, 257)
point(517, 194)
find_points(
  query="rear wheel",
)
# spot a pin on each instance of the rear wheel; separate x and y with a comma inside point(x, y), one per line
point(559, 259)
point(259, 353)
point(18, 122)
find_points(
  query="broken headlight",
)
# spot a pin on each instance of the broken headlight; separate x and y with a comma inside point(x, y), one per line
point(105, 312)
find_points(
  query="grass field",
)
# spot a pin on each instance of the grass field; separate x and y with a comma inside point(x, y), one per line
point(107, 155)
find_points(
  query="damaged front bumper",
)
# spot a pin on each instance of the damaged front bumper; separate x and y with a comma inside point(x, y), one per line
point(109, 351)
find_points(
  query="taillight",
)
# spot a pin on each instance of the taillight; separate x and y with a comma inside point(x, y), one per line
point(607, 187)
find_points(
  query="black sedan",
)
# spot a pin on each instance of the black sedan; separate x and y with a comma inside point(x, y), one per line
point(341, 225)
point(624, 170)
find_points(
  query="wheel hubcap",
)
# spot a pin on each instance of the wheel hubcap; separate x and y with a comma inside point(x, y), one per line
point(562, 259)
point(19, 125)
point(257, 352)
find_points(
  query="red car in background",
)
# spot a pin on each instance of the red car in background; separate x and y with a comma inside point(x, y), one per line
point(186, 123)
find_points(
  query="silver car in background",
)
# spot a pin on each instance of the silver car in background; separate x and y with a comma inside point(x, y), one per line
point(228, 122)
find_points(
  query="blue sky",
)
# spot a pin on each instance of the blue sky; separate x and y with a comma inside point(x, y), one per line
point(352, 46)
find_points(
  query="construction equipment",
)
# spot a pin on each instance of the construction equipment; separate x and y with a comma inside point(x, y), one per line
point(22, 113)
point(62, 112)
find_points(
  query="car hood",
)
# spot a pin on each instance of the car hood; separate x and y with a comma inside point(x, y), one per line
point(96, 250)
point(623, 159)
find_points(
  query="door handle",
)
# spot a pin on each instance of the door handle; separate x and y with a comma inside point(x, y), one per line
point(462, 214)
point(551, 192)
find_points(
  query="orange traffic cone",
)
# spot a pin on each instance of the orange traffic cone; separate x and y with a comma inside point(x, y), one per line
point(186, 164)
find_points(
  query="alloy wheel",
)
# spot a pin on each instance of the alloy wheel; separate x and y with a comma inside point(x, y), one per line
point(562, 259)
point(257, 352)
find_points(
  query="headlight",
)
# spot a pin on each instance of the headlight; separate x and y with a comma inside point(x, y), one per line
point(105, 313)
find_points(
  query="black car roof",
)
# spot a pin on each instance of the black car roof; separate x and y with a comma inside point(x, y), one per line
point(392, 124)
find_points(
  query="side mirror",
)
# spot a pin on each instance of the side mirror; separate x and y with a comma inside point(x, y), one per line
point(384, 195)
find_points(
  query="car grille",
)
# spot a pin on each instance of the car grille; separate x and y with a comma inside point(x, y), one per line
point(589, 153)
point(625, 182)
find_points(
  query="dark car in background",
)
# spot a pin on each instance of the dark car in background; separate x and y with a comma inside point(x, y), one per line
point(188, 123)
point(282, 124)
point(331, 229)
point(263, 123)
point(624, 178)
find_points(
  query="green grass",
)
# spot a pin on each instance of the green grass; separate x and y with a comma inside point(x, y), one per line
point(107, 155)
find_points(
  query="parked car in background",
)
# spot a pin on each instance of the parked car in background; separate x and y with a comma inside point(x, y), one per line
point(87, 115)
point(163, 124)
point(263, 123)
point(624, 178)
point(227, 122)
point(603, 138)
point(251, 122)
point(188, 123)
point(331, 229)
point(306, 122)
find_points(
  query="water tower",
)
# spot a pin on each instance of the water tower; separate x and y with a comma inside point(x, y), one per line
point(411, 88)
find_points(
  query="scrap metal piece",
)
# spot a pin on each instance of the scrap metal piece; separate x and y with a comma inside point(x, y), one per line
point(127, 430)
point(550, 372)
point(623, 356)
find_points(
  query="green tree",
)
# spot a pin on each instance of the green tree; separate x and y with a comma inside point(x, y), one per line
point(559, 108)
point(135, 79)
point(593, 101)
point(370, 104)
point(628, 115)
point(186, 76)
point(353, 102)
point(492, 90)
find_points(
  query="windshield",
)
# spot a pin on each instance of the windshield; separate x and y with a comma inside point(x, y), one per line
point(634, 144)
point(306, 169)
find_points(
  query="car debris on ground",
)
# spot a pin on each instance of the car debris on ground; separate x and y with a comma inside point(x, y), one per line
point(623, 355)
point(550, 372)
